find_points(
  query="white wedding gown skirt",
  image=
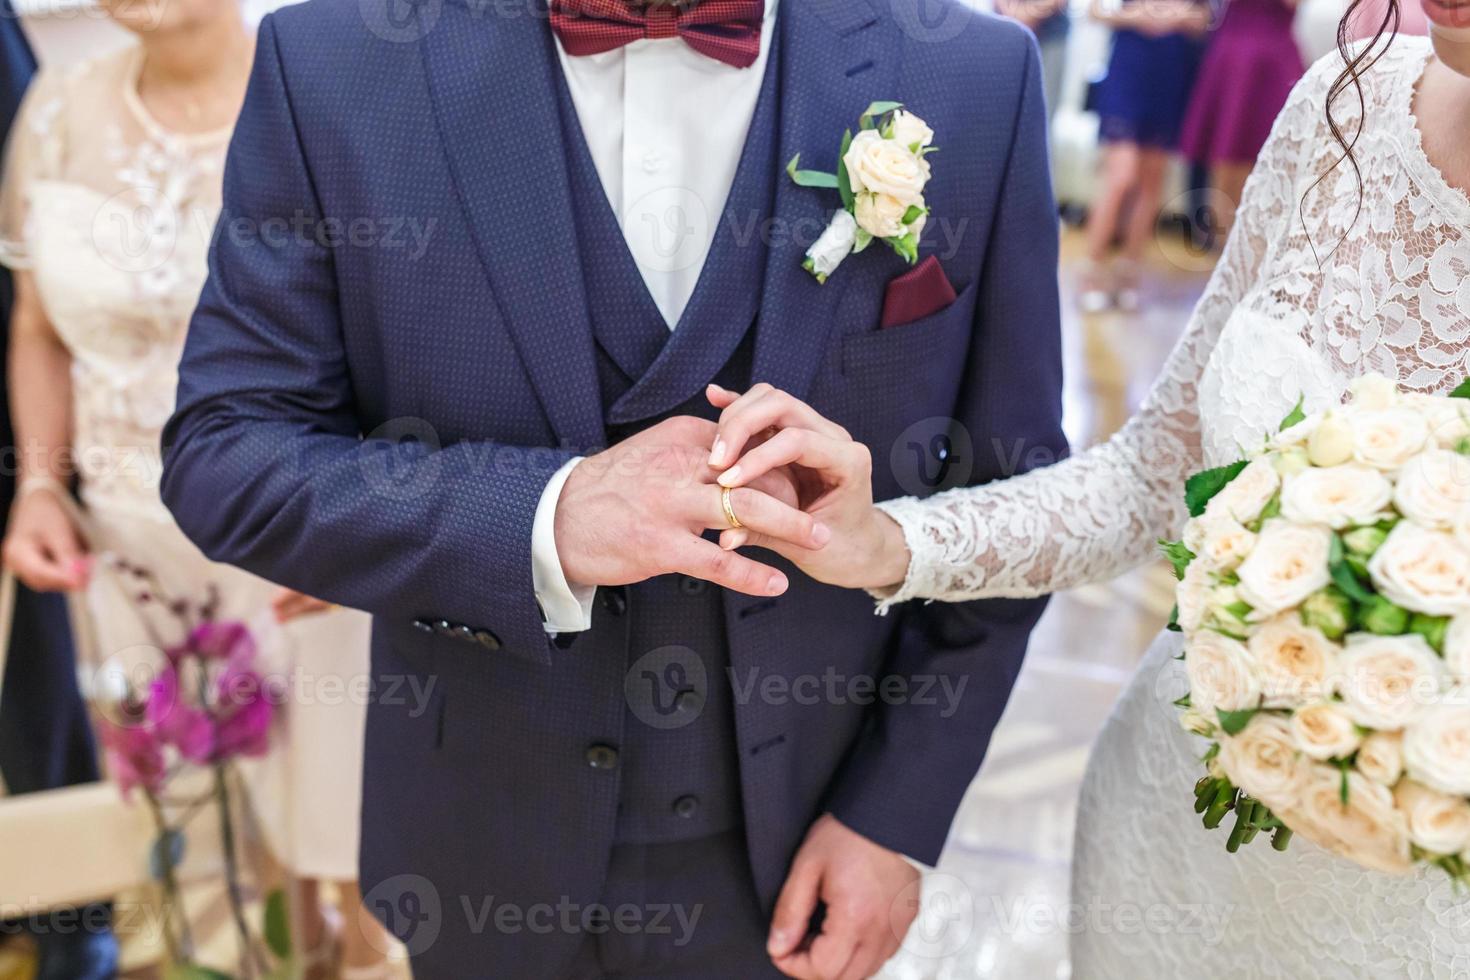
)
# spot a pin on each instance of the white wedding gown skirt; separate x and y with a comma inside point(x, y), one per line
point(1161, 898)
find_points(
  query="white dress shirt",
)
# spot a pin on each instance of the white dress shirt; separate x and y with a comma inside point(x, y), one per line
point(666, 127)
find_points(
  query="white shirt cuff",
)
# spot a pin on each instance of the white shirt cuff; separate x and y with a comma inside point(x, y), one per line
point(567, 607)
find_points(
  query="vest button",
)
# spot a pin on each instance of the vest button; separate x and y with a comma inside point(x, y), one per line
point(487, 639)
point(692, 586)
point(614, 600)
point(601, 756)
point(423, 626)
point(444, 628)
point(686, 806)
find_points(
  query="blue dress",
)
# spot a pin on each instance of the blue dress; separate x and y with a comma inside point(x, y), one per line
point(1145, 93)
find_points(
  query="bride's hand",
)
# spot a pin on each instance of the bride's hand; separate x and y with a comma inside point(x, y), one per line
point(834, 479)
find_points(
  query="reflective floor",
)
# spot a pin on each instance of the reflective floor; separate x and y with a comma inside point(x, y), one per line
point(997, 907)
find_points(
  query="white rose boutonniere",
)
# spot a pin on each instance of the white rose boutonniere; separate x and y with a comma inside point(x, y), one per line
point(881, 175)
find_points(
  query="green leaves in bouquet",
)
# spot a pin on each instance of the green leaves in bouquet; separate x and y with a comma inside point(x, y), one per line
point(1178, 555)
point(810, 178)
point(1342, 574)
point(1295, 415)
point(1201, 488)
point(1462, 390)
point(1234, 722)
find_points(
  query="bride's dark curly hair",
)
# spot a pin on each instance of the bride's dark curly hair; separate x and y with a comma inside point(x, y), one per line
point(1356, 65)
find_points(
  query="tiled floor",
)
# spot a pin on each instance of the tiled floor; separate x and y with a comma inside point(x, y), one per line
point(997, 906)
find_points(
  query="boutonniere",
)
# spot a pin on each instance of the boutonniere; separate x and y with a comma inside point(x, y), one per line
point(881, 174)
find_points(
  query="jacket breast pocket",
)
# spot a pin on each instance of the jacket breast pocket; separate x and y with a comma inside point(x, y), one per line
point(894, 378)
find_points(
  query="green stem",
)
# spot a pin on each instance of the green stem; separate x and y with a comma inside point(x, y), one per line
point(180, 947)
point(232, 872)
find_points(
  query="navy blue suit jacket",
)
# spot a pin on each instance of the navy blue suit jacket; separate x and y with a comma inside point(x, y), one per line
point(376, 427)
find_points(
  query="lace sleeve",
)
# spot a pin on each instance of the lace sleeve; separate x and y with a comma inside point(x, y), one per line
point(33, 152)
point(1099, 513)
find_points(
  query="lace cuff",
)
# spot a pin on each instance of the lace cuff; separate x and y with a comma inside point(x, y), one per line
point(926, 555)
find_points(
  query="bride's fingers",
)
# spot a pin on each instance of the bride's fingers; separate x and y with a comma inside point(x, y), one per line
point(842, 460)
point(759, 409)
point(764, 514)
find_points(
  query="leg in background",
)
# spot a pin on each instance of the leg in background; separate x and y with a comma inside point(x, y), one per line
point(1229, 179)
point(1120, 166)
point(1143, 222)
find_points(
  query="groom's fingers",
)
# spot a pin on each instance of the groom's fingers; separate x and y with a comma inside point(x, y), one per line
point(813, 450)
point(702, 559)
point(761, 408)
point(764, 514)
point(794, 908)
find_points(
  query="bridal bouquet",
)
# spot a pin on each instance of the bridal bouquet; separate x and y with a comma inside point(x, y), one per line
point(1324, 597)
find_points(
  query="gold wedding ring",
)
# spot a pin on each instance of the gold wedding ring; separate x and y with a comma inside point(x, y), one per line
point(729, 508)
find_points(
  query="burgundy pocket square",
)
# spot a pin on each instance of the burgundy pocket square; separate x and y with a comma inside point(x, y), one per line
point(922, 291)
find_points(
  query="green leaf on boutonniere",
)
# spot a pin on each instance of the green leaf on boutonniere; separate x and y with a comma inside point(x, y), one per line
point(1234, 722)
point(914, 213)
point(926, 150)
point(844, 180)
point(1202, 487)
point(1462, 390)
point(810, 178)
point(863, 240)
point(1295, 415)
point(907, 247)
point(1173, 625)
point(811, 267)
point(866, 120)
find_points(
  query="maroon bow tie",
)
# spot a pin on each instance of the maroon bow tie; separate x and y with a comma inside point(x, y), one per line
point(726, 30)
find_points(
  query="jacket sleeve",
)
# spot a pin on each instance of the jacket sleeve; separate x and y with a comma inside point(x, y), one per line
point(266, 462)
point(905, 778)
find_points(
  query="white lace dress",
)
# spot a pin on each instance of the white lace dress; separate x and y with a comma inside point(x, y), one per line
point(112, 214)
point(1305, 298)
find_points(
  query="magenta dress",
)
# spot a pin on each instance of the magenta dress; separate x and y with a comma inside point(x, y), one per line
point(1248, 72)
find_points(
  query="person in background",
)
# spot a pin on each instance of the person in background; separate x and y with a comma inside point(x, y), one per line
point(1371, 16)
point(111, 193)
point(45, 736)
point(1140, 102)
point(1247, 75)
point(1051, 22)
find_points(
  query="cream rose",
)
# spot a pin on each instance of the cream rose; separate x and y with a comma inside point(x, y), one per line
point(1337, 496)
point(1296, 663)
point(885, 167)
point(1448, 418)
point(1433, 488)
point(1193, 596)
point(1244, 497)
point(1264, 761)
point(1423, 571)
point(880, 215)
point(1387, 682)
point(1381, 757)
point(1460, 528)
point(1331, 442)
point(1323, 730)
point(1219, 541)
point(1437, 749)
point(1368, 829)
point(910, 131)
point(1373, 391)
point(1288, 563)
point(1221, 673)
point(1387, 438)
point(1438, 822)
point(1457, 648)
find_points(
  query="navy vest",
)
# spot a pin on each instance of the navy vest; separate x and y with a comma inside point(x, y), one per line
point(678, 758)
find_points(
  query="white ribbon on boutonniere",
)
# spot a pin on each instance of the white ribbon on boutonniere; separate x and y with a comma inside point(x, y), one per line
point(881, 175)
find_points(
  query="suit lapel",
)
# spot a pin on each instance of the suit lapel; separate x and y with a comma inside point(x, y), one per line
point(512, 182)
point(858, 60)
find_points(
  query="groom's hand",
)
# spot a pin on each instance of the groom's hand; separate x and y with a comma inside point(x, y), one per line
point(639, 509)
point(861, 885)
